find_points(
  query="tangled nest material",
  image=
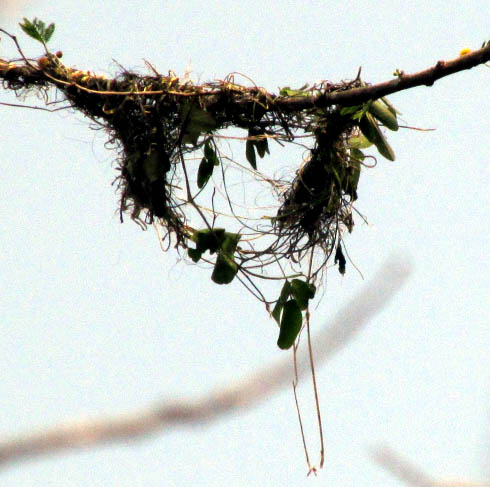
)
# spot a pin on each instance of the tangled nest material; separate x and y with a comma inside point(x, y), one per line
point(161, 123)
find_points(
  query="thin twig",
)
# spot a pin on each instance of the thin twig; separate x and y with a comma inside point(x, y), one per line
point(315, 389)
point(303, 439)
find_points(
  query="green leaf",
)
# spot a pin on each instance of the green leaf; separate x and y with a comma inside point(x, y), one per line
point(207, 164)
point(285, 291)
point(217, 240)
point(49, 32)
point(339, 257)
point(359, 142)
point(290, 324)
point(208, 239)
point(229, 243)
point(262, 147)
point(391, 108)
point(283, 297)
point(224, 270)
point(37, 30)
point(370, 129)
point(204, 172)
point(210, 153)
point(383, 113)
point(302, 292)
point(350, 110)
point(353, 177)
point(196, 122)
point(357, 155)
point(276, 312)
point(355, 112)
point(261, 144)
point(195, 254)
point(250, 153)
point(287, 91)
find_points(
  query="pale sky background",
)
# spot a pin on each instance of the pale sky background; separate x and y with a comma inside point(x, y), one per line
point(96, 319)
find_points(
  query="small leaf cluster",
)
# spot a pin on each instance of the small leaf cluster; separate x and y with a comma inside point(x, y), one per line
point(207, 165)
point(258, 144)
point(303, 91)
point(366, 116)
point(220, 241)
point(294, 298)
point(340, 259)
point(196, 122)
point(38, 30)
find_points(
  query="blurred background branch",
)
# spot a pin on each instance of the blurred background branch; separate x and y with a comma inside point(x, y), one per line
point(232, 398)
point(411, 474)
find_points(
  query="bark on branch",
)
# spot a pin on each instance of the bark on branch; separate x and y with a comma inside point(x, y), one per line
point(427, 77)
point(24, 75)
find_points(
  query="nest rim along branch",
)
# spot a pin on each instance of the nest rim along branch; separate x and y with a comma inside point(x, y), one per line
point(29, 73)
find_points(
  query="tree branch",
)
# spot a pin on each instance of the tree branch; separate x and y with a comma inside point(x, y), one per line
point(232, 398)
point(427, 77)
point(24, 75)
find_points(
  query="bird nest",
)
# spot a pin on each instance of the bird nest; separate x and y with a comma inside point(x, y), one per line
point(162, 124)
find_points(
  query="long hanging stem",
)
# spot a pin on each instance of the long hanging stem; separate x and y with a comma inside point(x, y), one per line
point(313, 375)
point(315, 389)
point(305, 447)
